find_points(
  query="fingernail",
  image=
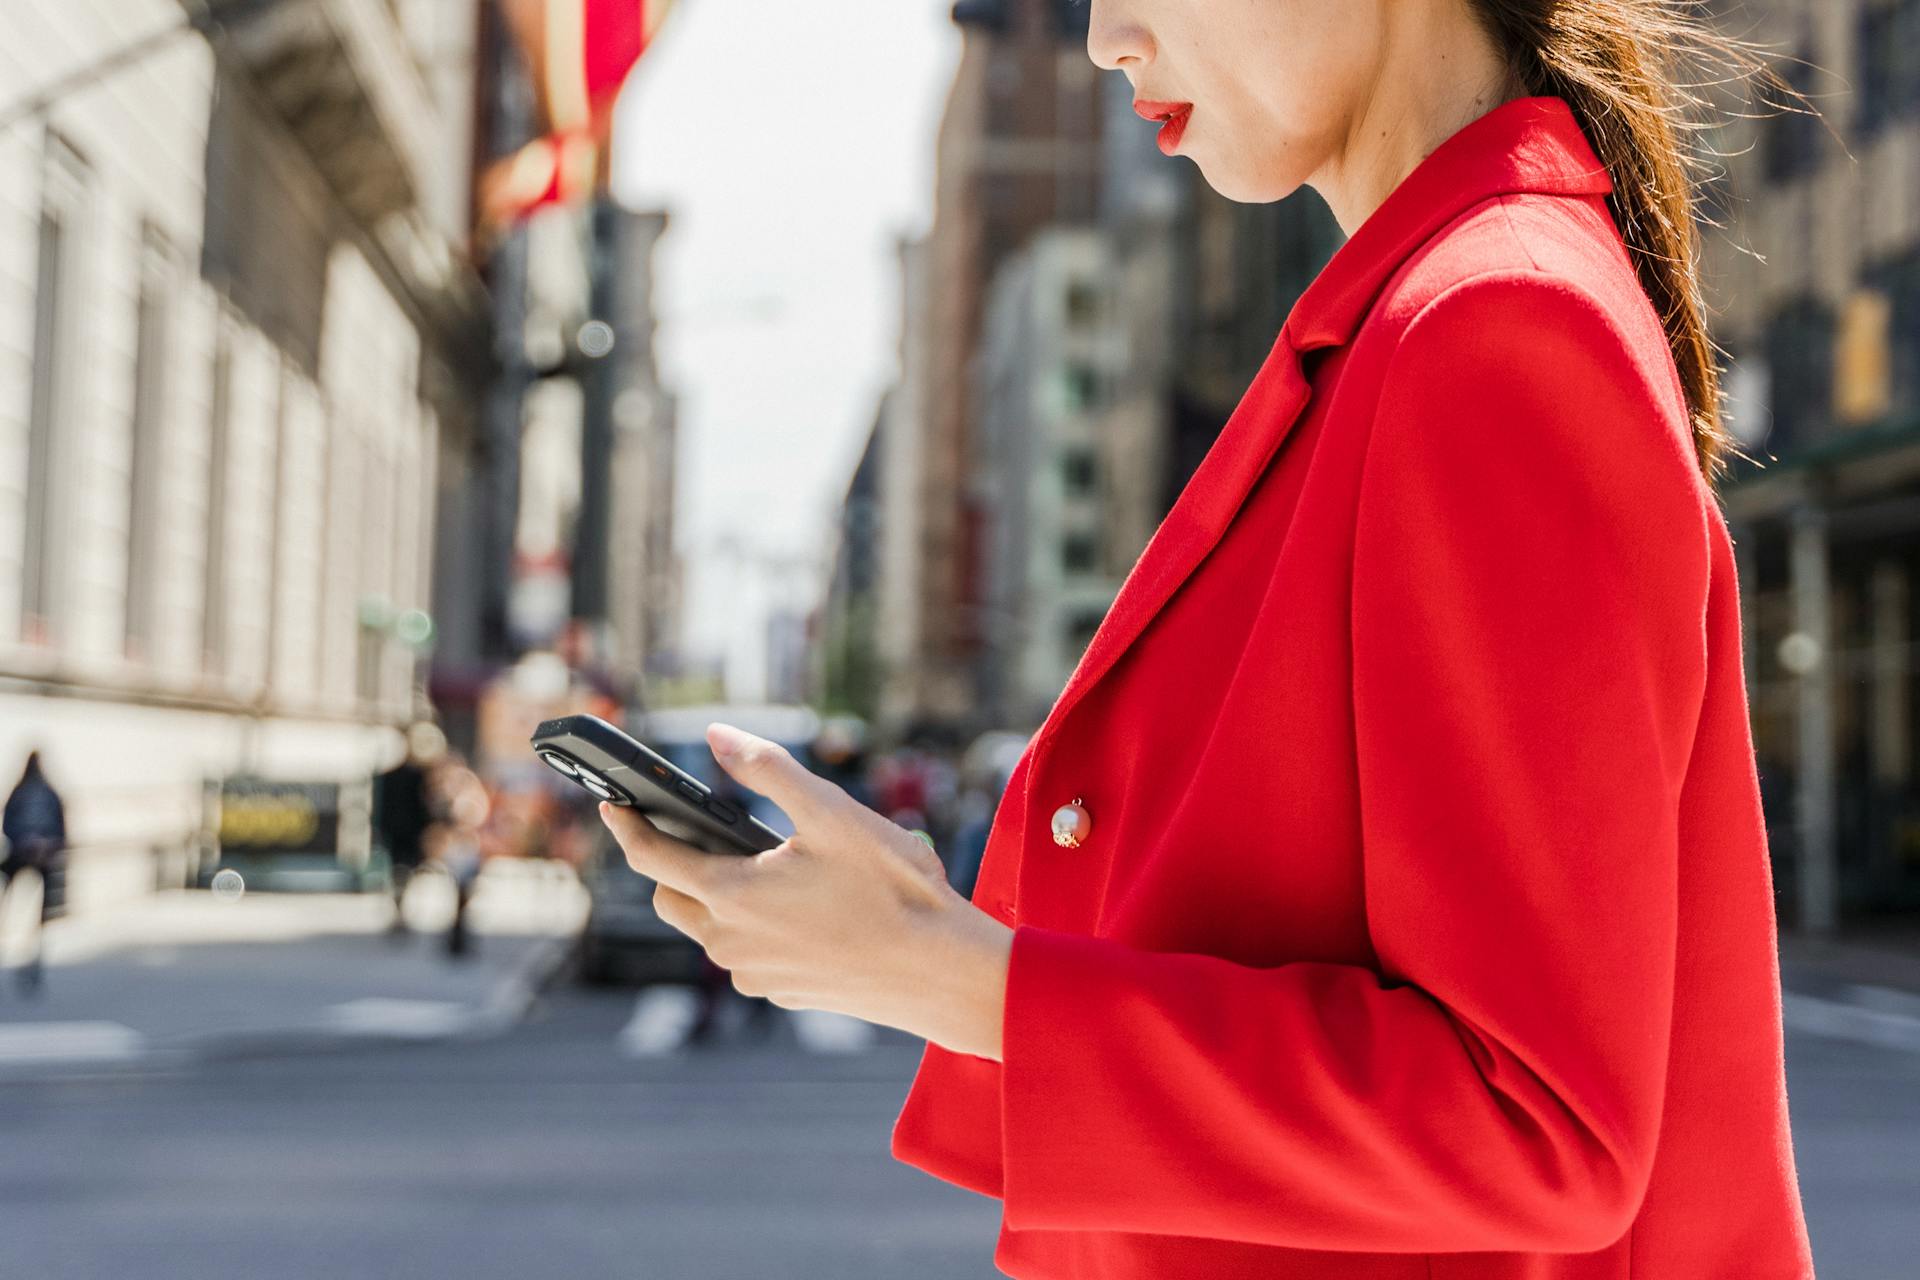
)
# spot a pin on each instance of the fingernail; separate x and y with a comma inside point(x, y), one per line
point(725, 739)
point(606, 811)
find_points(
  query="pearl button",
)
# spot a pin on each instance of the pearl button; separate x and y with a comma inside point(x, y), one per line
point(1072, 824)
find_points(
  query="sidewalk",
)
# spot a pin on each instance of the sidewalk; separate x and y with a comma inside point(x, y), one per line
point(1865, 987)
point(184, 976)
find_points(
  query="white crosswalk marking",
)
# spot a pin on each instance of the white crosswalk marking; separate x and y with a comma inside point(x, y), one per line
point(1889, 1028)
point(75, 1042)
point(401, 1019)
point(662, 1018)
point(822, 1032)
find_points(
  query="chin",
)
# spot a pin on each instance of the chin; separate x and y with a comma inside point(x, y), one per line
point(1244, 187)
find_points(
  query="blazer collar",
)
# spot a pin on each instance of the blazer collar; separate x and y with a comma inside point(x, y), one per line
point(1528, 144)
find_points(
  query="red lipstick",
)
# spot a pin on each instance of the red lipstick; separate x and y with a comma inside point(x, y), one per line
point(1175, 116)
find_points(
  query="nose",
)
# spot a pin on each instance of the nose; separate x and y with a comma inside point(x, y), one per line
point(1115, 41)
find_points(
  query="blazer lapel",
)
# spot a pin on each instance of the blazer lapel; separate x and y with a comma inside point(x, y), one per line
point(1206, 506)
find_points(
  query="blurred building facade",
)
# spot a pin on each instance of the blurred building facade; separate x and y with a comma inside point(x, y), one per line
point(1131, 325)
point(557, 530)
point(845, 675)
point(1077, 326)
point(240, 327)
point(644, 589)
point(1018, 151)
point(1047, 468)
point(1817, 283)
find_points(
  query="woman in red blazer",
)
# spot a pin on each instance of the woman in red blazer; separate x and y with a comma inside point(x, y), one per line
point(1387, 894)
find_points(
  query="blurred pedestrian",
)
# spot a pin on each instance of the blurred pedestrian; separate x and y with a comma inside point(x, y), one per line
point(402, 812)
point(460, 806)
point(715, 984)
point(35, 828)
point(977, 806)
point(840, 756)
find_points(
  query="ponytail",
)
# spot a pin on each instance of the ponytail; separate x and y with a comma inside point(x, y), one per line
point(1618, 64)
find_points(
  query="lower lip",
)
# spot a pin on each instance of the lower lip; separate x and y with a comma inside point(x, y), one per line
point(1171, 131)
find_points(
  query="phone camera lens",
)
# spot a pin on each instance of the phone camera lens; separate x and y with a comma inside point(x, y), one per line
point(601, 787)
point(560, 762)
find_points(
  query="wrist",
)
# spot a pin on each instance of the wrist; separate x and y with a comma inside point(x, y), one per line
point(962, 980)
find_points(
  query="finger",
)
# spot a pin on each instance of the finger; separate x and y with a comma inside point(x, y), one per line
point(658, 856)
point(678, 910)
point(770, 769)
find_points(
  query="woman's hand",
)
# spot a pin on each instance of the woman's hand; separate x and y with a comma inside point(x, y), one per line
point(853, 914)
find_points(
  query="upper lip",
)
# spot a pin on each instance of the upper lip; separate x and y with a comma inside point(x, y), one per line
point(1149, 110)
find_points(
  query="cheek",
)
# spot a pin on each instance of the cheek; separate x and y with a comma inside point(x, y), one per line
point(1286, 74)
point(1266, 135)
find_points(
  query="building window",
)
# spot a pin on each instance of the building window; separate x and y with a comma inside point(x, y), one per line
point(1080, 471)
point(1799, 351)
point(1889, 49)
point(1005, 116)
point(1790, 141)
point(987, 15)
point(1083, 304)
point(65, 181)
point(1081, 625)
point(1079, 553)
point(213, 618)
point(148, 429)
point(1081, 382)
point(1899, 278)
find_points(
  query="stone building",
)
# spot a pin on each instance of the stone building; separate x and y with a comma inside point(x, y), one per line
point(1078, 325)
point(235, 328)
point(1018, 151)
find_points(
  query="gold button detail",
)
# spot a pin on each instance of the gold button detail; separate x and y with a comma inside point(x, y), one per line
point(1072, 824)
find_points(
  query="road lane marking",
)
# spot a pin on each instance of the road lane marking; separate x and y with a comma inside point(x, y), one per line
point(1838, 1020)
point(822, 1032)
point(662, 1019)
point(42, 1043)
point(401, 1019)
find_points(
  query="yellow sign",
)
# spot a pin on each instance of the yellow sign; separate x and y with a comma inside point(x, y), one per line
point(1863, 358)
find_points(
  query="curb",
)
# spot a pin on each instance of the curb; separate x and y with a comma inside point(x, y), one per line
point(1880, 1016)
point(111, 1050)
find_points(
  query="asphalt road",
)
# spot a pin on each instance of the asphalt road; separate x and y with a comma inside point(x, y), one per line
point(551, 1151)
point(401, 1132)
point(547, 1152)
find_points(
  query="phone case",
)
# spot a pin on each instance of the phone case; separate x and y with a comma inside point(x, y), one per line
point(613, 766)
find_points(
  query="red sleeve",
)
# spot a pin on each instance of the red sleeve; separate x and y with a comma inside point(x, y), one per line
point(1529, 650)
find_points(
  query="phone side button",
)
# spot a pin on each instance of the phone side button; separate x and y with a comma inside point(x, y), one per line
point(723, 811)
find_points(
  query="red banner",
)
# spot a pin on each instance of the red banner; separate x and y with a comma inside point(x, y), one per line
point(580, 52)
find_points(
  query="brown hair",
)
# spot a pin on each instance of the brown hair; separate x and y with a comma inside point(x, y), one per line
point(1619, 64)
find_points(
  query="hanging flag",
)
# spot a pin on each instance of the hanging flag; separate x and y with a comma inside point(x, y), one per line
point(581, 52)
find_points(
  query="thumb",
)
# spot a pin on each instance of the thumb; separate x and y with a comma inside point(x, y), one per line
point(769, 768)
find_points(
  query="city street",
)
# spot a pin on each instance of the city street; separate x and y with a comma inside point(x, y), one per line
point(572, 1132)
point(546, 1152)
point(385, 384)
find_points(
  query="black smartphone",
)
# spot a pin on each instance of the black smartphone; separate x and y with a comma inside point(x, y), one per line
point(623, 771)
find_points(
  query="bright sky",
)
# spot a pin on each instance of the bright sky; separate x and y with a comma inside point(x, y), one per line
point(791, 144)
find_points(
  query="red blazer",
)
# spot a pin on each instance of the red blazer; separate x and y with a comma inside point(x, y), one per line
point(1424, 927)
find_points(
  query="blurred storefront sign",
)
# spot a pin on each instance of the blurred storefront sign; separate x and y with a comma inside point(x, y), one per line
point(284, 834)
point(258, 816)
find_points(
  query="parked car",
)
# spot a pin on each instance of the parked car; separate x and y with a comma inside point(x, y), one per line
point(624, 938)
